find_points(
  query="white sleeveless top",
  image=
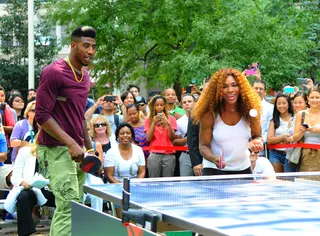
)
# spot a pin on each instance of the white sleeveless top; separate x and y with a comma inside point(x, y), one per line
point(281, 130)
point(234, 142)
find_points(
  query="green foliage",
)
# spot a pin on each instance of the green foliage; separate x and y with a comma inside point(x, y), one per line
point(174, 41)
point(14, 59)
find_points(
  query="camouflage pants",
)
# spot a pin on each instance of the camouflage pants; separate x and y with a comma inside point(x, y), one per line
point(66, 183)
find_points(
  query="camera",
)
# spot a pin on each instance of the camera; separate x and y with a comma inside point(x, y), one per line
point(302, 81)
point(109, 98)
point(188, 89)
point(288, 90)
point(306, 126)
point(250, 72)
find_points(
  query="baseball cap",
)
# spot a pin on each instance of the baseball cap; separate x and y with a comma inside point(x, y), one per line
point(140, 99)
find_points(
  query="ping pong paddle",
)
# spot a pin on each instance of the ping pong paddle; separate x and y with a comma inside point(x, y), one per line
point(220, 159)
point(90, 164)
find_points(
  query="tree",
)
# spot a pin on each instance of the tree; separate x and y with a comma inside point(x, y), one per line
point(14, 47)
point(175, 41)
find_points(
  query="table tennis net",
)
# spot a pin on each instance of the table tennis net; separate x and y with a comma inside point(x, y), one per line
point(223, 191)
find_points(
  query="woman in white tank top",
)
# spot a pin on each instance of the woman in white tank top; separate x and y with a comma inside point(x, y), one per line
point(310, 159)
point(279, 132)
point(229, 114)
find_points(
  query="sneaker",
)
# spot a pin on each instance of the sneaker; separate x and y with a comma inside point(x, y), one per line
point(9, 218)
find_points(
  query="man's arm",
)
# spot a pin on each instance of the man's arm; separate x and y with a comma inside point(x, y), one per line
point(54, 130)
point(87, 141)
point(193, 145)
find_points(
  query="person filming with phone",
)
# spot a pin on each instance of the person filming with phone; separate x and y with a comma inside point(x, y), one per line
point(309, 129)
point(108, 103)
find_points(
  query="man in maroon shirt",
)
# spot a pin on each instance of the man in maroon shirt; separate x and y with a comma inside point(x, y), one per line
point(60, 108)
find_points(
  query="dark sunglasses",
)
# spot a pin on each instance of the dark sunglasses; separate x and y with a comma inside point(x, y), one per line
point(100, 125)
point(32, 110)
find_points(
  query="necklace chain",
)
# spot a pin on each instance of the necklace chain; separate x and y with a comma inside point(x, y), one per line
point(74, 73)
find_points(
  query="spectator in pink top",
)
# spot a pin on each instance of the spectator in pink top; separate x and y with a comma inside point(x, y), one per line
point(160, 128)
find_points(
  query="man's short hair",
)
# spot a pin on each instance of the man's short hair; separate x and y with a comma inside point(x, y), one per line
point(260, 82)
point(32, 89)
point(84, 31)
point(133, 86)
point(188, 95)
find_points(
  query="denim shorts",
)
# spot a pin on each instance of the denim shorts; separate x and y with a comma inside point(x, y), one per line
point(277, 157)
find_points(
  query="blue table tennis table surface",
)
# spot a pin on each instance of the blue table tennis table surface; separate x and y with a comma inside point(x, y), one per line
point(239, 207)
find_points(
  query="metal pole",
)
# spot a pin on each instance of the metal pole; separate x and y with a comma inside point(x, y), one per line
point(30, 44)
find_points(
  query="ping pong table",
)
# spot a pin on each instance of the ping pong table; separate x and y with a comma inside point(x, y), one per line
point(227, 205)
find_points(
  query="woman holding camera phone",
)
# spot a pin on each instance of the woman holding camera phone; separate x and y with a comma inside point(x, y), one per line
point(310, 131)
point(160, 128)
point(279, 132)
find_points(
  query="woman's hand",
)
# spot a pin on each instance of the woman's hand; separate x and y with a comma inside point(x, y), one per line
point(313, 129)
point(216, 160)
point(255, 145)
point(303, 129)
point(25, 184)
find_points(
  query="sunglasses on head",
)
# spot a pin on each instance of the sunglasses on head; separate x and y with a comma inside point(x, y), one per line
point(32, 110)
point(100, 125)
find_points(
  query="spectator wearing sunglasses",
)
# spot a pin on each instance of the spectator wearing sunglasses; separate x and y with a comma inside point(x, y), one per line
point(24, 130)
point(101, 132)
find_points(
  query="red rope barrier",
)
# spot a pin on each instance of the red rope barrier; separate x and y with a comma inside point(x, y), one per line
point(269, 146)
point(165, 148)
point(293, 145)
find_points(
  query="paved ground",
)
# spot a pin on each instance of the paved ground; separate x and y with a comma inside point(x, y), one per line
point(42, 230)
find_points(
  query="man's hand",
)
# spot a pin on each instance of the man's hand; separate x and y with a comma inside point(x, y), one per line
point(76, 152)
point(197, 170)
point(118, 100)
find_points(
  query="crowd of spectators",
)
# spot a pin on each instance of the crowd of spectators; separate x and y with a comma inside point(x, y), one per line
point(215, 123)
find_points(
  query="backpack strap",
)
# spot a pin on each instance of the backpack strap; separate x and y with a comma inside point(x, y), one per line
point(303, 116)
point(116, 119)
point(2, 108)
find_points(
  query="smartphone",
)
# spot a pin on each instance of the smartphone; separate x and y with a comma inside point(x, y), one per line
point(188, 89)
point(302, 81)
point(250, 72)
point(109, 98)
point(306, 126)
point(288, 90)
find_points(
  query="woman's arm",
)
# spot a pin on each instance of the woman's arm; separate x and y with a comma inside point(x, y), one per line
point(15, 143)
point(299, 130)
point(205, 137)
point(170, 129)
point(151, 124)
point(109, 174)
point(99, 150)
point(17, 177)
point(141, 171)
point(272, 139)
point(256, 144)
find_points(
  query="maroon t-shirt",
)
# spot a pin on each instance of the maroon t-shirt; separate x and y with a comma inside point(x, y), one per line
point(64, 99)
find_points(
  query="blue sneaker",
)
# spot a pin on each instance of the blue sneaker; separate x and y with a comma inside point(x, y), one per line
point(9, 218)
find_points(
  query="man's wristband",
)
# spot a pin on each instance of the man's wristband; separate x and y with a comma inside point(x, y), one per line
point(90, 150)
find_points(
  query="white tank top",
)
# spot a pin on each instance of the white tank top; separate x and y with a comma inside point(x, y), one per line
point(281, 130)
point(234, 142)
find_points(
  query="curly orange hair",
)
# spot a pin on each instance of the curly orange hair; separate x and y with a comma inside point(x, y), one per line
point(211, 99)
